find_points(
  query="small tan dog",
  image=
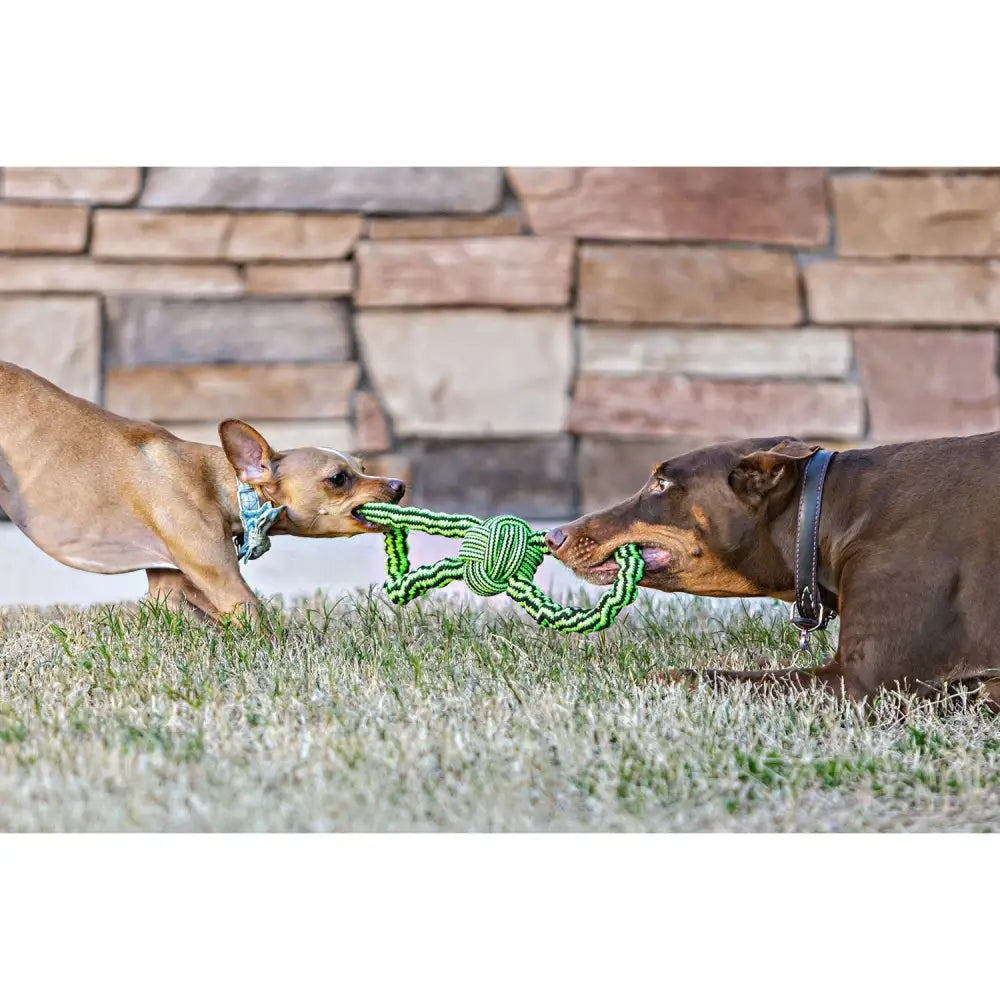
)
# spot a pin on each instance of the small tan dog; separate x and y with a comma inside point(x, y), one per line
point(109, 495)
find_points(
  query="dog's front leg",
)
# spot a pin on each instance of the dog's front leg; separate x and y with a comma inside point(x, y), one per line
point(178, 593)
point(212, 568)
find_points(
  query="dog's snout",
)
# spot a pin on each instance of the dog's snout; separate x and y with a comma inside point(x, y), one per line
point(397, 488)
point(555, 538)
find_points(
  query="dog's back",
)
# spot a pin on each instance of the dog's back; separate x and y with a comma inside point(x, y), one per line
point(62, 457)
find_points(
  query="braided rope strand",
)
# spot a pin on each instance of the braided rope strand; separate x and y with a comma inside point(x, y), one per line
point(499, 555)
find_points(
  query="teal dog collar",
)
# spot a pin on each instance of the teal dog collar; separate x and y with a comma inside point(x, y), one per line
point(257, 519)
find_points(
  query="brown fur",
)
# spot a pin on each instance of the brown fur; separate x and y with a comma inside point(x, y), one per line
point(109, 495)
point(909, 547)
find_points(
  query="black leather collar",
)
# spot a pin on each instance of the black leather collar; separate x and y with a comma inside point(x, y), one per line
point(808, 613)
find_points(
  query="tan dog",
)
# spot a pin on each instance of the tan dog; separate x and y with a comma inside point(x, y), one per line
point(109, 495)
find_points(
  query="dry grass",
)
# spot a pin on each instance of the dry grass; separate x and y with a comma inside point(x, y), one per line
point(445, 717)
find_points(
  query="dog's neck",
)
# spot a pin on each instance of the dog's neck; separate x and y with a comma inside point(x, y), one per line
point(221, 476)
point(840, 520)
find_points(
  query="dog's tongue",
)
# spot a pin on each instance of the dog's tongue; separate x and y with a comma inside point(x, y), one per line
point(654, 558)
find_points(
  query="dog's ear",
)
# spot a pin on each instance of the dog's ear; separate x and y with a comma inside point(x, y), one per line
point(759, 474)
point(248, 453)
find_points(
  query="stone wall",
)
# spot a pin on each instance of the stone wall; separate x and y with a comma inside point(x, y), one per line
point(528, 339)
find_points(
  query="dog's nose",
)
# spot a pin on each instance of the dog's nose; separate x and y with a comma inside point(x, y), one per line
point(397, 487)
point(555, 538)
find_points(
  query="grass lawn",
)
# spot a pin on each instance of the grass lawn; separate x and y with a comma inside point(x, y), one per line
point(445, 716)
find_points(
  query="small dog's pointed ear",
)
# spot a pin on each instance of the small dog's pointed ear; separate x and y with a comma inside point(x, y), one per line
point(248, 453)
point(760, 473)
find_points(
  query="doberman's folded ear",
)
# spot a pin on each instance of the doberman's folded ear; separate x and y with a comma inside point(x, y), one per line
point(759, 474)
point(248, 453)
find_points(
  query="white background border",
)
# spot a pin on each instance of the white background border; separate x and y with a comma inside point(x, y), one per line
point(832, 83)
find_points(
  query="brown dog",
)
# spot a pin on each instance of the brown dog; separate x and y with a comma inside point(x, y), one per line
point(109, 495)
point(908, 546)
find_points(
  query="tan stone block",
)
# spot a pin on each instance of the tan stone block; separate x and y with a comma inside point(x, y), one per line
point(929, 216)
point(103, 185)
point(505, 270)
point(928, 383)
point(664, 405)
point(263, 236)
point(81, 274)
point(42, 228)
point(455, 373)
point(372, 425)
point(150, 331)
point(939, 293)
point(444, 227)
point(57, 338)
point(717, 353)
point(327, 280)
point(544, 183)
point(214, 392)
point(757, 204)
point(687, 285)
point(282, 435)
point(612, 469)
point(122, 234)
point(346, 189)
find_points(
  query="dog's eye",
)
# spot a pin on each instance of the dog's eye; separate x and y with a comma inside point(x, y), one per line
point(338, 478)
point(660, 484)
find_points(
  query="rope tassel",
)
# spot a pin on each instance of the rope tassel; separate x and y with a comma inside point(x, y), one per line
point(499, 555)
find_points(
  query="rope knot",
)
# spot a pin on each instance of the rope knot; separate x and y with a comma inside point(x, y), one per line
point(496, 552)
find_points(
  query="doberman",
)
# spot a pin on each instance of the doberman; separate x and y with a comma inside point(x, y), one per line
point(907, 545)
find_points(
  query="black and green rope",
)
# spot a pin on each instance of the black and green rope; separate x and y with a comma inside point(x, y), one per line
point(497, 556)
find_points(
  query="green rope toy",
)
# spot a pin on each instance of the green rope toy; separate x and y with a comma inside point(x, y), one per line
point(498, 556)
